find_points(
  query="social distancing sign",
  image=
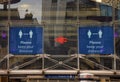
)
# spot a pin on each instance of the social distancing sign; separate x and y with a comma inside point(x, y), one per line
point(26, 40)
point(96, 40)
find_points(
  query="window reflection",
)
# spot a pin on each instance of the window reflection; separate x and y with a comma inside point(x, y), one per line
point(64, 20)
point(59, 18)
point(29, 7)
point(22, 12)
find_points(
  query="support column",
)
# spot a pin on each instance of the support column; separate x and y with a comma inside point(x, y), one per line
point(3, 79)
point(102, 80)
point(0, 79)
point(27, 80)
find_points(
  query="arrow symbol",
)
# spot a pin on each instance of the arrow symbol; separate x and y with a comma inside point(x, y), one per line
point(61, 40)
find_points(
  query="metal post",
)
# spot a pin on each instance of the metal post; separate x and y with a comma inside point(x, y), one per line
point(9, 14)
point(8, 25)
point(43, 60)
point(113, 20)
point(78, 59)
point(43, 65)
point(28, 80)
point(68, 80)
point(38, 81)
point(47, 80)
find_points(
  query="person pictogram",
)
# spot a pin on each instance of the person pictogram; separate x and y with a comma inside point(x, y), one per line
point(20, 34)
point(31, 33)
point(89, 34)
point(100, 34)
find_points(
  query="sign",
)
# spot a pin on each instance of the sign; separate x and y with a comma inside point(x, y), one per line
point(26, 40)
point(60, 76)
point(96, 40)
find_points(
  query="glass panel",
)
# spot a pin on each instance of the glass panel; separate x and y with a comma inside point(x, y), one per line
point(25, 13)
point(60, 20)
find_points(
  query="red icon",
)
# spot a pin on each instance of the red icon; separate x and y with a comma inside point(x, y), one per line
point(61, 40)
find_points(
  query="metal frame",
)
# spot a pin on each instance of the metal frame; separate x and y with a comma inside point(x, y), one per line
point(51, 70)
point(60, 63)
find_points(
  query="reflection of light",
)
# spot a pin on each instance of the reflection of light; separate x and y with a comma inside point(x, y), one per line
point(116, 34)
point(4, 35)
point(98, 0)
point(101, 50)
point(61, 40)
point(24, 6)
